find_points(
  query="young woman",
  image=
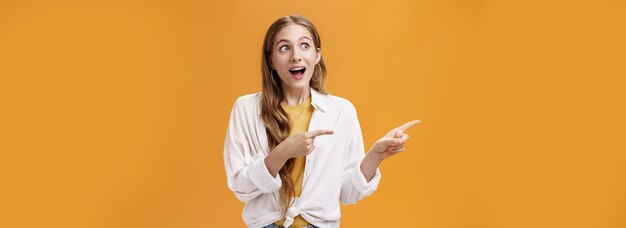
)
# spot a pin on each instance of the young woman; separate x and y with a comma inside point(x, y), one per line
point(293, 152)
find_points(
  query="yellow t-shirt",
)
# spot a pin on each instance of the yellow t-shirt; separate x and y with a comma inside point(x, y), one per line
point(300, 116)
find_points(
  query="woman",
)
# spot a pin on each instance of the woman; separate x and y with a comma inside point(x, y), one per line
point(292, 152)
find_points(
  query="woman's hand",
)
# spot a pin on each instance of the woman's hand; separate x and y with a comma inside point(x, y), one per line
point(393, 142)
point(301, 144)
point(385, 147)
point(297, 145)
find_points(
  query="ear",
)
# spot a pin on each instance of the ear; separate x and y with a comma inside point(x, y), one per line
point(319, 55)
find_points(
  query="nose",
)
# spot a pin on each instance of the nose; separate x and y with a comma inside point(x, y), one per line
point(295, 56)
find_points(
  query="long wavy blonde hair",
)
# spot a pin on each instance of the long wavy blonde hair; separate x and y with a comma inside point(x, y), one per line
point(273, 115)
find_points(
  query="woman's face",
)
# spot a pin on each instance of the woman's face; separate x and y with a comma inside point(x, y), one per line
point(294, 56)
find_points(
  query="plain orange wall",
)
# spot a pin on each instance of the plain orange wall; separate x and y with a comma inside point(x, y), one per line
point(113, 113)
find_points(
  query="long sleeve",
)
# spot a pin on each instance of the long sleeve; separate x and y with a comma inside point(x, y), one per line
point(246, 173)
point(355, 187)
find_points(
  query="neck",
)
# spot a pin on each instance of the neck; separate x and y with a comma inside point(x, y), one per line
point(295, 96)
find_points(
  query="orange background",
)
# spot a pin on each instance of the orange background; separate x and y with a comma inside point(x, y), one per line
point(114, 112)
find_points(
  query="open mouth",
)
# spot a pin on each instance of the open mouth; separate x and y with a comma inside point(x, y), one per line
point(297, 71)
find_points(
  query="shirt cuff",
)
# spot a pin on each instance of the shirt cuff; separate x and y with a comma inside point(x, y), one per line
point(261, 177)
point(361, 185)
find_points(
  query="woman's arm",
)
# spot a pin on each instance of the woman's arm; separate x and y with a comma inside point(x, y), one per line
point(361, 175)
point(275, 161)
point(246, 174)
point(362, 180)
point(370, 163)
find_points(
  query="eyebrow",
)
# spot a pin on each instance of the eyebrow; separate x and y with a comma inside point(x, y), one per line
point(284, 40)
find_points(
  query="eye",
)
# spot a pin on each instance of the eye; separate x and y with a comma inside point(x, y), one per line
point(284, 48)
point(304, 45)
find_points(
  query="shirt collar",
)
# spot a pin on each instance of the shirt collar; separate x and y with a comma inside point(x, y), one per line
point(318, 100)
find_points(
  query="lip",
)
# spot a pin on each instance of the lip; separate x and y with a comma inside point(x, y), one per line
point(297, 66)
point(298, 77)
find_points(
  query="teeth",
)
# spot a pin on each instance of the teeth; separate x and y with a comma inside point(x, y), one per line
point(298, 68)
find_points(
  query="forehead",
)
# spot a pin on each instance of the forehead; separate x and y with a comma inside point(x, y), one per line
point(293, 33)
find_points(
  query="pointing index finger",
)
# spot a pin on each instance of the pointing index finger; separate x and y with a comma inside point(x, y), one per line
point(316, 133)
point(408, 125)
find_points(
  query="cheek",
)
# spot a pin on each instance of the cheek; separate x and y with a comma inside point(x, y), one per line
point(278, 61)
point(312, 56)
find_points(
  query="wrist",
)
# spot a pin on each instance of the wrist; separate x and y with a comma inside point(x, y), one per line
point(280, 154)
point(374, 157)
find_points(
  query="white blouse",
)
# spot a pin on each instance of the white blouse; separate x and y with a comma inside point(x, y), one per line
point(332, 172)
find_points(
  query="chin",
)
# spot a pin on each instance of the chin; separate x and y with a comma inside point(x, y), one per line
point(300, 84)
